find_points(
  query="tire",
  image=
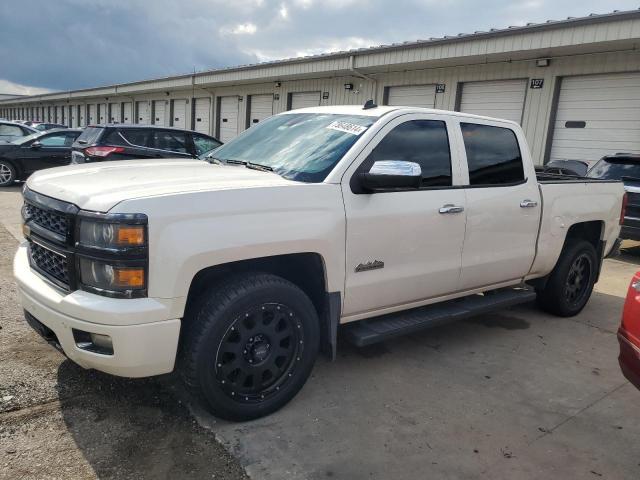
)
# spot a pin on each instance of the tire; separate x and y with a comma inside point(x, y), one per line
point(7, 174)
point(571, 282)
point(249, 345)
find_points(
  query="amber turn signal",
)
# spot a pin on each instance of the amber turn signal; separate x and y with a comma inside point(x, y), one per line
point(131, 235)
point(129, 277)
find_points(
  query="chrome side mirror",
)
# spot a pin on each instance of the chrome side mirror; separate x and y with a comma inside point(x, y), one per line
point(391, 175)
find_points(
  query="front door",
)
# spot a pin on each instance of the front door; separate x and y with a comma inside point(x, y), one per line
point(403, 246)
point(51, 150)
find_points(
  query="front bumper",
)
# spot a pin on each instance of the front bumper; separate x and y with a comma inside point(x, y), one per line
point(629, 359)
point(144, 336)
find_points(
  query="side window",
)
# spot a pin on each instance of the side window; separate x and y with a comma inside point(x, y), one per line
point(135, 136)
point(169, 140)
point(424, 142)
point(204, 144)
point(70, 138)
point(493, 155)
point(12, 130)
point(57, 140)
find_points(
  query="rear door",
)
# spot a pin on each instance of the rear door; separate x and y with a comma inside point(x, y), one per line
point(503, 205)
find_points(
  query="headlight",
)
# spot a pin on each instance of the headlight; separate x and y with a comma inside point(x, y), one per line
point(106, 277)
point(106, 235)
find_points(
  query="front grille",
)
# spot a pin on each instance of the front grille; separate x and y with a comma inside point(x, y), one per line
point(49, 263)
point(47, 219)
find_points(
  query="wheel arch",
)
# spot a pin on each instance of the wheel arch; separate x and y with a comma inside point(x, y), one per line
point(305, 270)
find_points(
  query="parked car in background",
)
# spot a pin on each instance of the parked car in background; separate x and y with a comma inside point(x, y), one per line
point(625, 167)
point(12, 130)
point(238, 271)
point(47, 126)
point(125, 142)
point(629, 333)
point(25, 155)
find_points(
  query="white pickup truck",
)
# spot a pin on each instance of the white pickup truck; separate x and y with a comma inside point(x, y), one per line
point(236, 271)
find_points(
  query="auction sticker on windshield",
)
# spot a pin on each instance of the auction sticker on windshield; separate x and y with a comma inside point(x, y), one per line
point(346, 127)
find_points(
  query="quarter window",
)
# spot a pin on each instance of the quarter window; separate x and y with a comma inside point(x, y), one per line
point(424, 142)
point(493, 155)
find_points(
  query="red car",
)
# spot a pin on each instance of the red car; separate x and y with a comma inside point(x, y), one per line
point(629, 333)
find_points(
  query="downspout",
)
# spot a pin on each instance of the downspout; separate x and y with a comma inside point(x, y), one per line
point(357, 73)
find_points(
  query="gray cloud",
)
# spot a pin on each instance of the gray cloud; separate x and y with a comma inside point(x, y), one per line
point(69, 44)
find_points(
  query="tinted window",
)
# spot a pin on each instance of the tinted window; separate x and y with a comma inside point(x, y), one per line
point(12, 130)
point(493, 155)
point(424, 142)
point(135, 136)
point(169, 140)
point(89, 135)
point(57, 140)
point(615, 169)
point(204, 144)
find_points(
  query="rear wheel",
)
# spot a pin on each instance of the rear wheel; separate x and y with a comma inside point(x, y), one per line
point(7, 174)
point(250, 346)
point(571, 282)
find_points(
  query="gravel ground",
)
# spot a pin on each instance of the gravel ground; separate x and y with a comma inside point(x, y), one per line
point(60, 421)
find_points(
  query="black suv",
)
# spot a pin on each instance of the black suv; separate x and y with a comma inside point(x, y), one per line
point(99, 143)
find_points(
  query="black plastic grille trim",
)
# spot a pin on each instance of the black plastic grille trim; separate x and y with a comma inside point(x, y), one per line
point(50, 263)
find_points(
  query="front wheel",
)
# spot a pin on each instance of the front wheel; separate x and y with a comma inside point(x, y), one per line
point(571, 282)
point(251, 345)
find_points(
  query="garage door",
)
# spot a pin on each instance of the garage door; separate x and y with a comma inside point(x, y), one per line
point(412, 95)
point(203, 115)
point(499, 99)
point(304, 99)
point(103, 114)
point(82, 115)
point(127, 115)
point(597, 115)
point(261, 107)
point(142, 109)
point(114, 113)
point(159, 112)
point(93, 113)
point(71, 117)
point(180, 113)
point(228, 118)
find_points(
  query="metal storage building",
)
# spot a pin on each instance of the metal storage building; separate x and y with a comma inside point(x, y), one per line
point(573, 85)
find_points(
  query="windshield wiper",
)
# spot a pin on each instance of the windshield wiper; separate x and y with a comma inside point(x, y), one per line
point(257, 166)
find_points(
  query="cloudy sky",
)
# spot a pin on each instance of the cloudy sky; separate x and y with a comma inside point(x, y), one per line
point(69, 44)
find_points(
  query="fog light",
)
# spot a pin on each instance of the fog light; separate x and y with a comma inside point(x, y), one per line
point(93, 342)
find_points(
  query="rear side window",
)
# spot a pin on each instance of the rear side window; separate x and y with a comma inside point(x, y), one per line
point(615, 169)
point(204, 144)
point(173, 141)
point(424, 142)
point(89, 135)
point(128, 136)
point(493, 155)
point(12, 130)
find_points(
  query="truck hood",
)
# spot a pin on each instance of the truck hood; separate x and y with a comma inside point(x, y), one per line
point(101, 186)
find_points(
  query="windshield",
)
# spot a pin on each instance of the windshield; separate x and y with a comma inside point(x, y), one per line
point(21, 140)
point(299, 146)
point(608, 169)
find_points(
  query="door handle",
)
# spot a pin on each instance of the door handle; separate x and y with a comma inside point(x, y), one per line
point(450, 208)
point(528, 204)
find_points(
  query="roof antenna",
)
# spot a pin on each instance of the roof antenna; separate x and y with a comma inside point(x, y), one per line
point(369, 104)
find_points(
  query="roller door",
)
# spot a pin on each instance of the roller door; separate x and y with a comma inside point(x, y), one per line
point(228, 115)
point(103, 113)
point(597, 115)
point(412, 95)
point(203, 115)
point(93, 114)
point(143, 114)
point(499, 99)
point(114, 113)
point(304, 100)
point(261, 107)
point(160, 113)
point(179, 114)
point(127, 114)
